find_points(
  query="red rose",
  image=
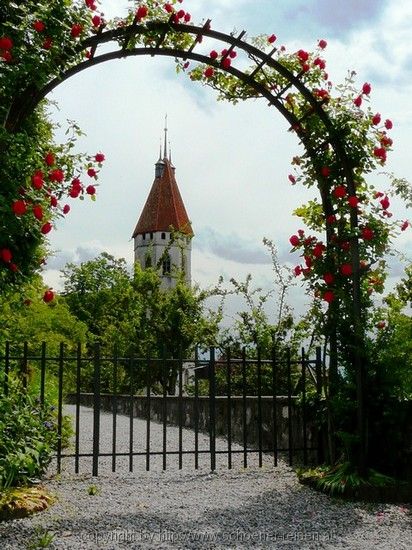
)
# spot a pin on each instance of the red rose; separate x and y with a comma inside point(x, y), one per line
point(19, 207)
point(353, 201)
point(328, 278)
point(322, 44)
point(66, 209)
point(292, 179)
point(305, 67)
point(345, 245)
point(46, 228)
point(74, 192)
point(213, 54)
point(325, 171)
point(358, 101)
point(187, 17)
point(7, 56)
point(6, 43)
point(91, 172)
point(318, 62)
point(339, 191)
point(376, 119)
point(49, 159)
point(13, 267)
point(385, 203)
point(39, 26)
point(232, 54)
point(297, 271)
point(181, 14)
point(96, 20)
point(331, 219)
point(168, 8)
point(226, 62)
point(209, 72)
point(53, 201)
point(272, 39)
point(47, 44)
point(141, 12)
point(301, 232)
point(318, 250)
point(378, 194)
point(38, 212)
point(48, 296)
point(386, 141)
point(346, 270)
point(405, 225)
point(366, 88)
point(367, 234)
point(388, 124)
point(6, 255)
point(56, 175)
point(303, 56)
point(322, 93)
point(381, 325)
point(76, 30)
point(90, 189)
point(380, 152)
point(99, 157)
point(294, 240)
point(224, 52)
point(308, 261)
point(328, 296)
point(37, 180)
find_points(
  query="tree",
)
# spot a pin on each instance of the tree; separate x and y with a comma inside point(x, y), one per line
point(133, 315)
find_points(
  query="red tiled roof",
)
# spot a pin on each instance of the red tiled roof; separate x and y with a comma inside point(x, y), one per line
point(164, 206)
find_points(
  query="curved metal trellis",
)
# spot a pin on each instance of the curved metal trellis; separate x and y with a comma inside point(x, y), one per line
point(26, 102)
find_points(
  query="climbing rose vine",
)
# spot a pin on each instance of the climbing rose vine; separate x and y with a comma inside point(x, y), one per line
point(351, 225)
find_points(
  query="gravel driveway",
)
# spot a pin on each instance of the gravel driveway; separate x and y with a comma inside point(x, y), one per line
point(238, 508)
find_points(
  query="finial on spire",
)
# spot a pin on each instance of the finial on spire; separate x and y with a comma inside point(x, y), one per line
point(170, 154)
point(165, 144)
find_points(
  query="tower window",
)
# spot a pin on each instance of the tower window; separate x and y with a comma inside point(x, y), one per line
point(144, 236)
point(151, 236)
point(166, 266)
point(163, 236)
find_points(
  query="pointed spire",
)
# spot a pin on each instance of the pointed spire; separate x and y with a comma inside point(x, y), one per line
point(165, 143)
point(160, 149)
point(170, 154)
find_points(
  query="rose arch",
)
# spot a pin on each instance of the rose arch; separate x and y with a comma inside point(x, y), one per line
point(342, 142)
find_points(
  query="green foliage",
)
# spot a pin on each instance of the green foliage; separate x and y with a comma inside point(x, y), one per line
point(93, 490)
point(41, 539)
point(343, 478)
point(133, 315)
point(24, 317)
point(28, 437)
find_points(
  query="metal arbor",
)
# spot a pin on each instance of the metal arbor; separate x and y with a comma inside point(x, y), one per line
point(27, 99)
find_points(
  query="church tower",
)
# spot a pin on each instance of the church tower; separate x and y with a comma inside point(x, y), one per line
point(163, 214)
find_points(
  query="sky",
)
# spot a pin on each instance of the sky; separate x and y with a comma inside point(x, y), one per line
point(232, 162)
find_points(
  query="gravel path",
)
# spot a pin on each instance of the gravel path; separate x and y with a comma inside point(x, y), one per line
point(238, 508)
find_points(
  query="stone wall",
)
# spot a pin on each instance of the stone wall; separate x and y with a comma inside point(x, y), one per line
point(140, 410)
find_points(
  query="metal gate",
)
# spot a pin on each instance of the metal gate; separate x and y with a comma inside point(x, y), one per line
point(218, 407)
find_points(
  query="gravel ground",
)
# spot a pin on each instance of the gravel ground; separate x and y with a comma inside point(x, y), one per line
point(238, 508)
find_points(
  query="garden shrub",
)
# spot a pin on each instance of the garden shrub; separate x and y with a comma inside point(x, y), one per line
point(28, 437)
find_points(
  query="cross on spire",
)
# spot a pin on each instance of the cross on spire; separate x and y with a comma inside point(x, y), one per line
point(165, 143)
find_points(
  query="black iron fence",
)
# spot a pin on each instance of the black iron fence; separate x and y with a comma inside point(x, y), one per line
point(259, 406)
